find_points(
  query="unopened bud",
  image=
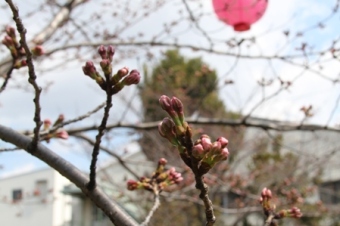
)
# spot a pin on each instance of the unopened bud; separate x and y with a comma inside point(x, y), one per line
point(10, 31)
point(119, 75)
point(162, 161)
point(110, 52)
point(102, 52)
point(38, 51)
point(62, 134)
point(132, 78)
point(132, 185)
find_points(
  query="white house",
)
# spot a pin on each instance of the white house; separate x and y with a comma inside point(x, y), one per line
point(34, 199)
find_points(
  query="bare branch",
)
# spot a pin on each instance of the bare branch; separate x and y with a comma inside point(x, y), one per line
point(32, 76)
point(155, 206)
point(116, 215)
point(265, 124)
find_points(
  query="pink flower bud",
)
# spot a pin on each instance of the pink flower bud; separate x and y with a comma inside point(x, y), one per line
point(174, 177)
point(23, 63)
point(47, 124)
point(122, 72)
point(8, 41)
point(198, 151)
point(266, 193)
point(10, 31)
point(132, 185)
point(224, 142)
point(62, 134)
point(295, 212)
point(162, 161)
point(224, 153)
point(102, 52)
point(89, 69)
point(38, 51)
point(166, 128)
point(110, 52)
point(132, 78)
point(206, 142)
point(165, 103)
point(177, 105)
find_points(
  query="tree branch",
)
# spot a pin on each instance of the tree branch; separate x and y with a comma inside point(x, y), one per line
point(116, 215)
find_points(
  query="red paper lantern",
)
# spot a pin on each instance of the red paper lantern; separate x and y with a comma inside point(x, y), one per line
point(240, 14)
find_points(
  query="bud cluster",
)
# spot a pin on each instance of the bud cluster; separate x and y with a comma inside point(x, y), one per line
point(174, 108)
point(177, 131)
point(268, 208)
point(59, 133)
point(209, 152)
point(160, 179)
point(17, 51)
point(293, 212)
point(117, 81)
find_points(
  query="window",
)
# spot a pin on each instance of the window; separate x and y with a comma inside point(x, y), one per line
point(17, 195)
point(41, 190)
point(330, 192)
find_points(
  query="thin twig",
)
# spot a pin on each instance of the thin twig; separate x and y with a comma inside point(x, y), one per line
point(79, 118)
point(251, 122)
point(7, 76)
point(31, 72)
point(9, 149)
point(155, 206)
point(101, 129)
point(209, 210)
point(270, 220)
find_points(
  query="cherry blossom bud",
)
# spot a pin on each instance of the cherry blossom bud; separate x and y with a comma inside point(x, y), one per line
point(166, 129)
point(132, 78)
point(174, 177)
point(102, 52)
point(62, 134)
point(110, 52)
point(90, 70)
point(266, 193)
point(119, 75)
point(7, 41)
point(206, 142)
point(224, 142)
point(165, 103)
point(224, 154)
point(20, 63)
point(132, 185)
point(38, 51)
point(162, 161)
point(198, 151)
point(177, 105)
point(47, 124)
point(10, 31)
point(295, 212)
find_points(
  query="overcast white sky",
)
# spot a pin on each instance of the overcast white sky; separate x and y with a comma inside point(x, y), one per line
point(62, 97)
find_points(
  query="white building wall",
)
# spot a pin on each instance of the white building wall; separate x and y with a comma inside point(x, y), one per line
point(42, 202)
point(62, 205)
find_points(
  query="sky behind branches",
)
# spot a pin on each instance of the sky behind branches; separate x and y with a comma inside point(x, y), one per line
point(73, 94)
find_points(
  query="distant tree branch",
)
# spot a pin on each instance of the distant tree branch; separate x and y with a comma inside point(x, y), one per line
point(250, 122)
